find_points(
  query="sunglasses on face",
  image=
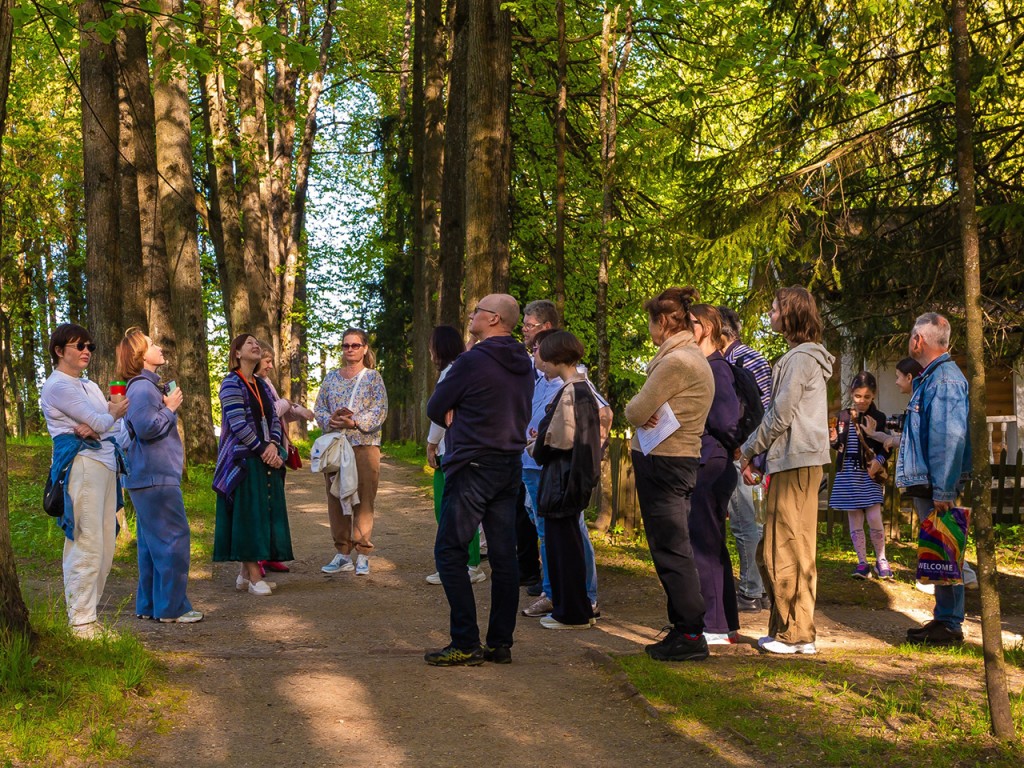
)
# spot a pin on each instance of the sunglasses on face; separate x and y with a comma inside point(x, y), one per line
point(351, 346)
point(82, 345)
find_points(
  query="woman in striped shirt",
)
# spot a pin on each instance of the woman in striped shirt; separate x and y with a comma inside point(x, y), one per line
point(252, 518)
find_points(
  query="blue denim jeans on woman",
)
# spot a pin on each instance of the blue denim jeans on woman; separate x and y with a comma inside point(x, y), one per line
point(484, 491)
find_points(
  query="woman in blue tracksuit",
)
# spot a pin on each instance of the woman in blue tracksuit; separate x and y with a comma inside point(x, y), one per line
point(155, 460)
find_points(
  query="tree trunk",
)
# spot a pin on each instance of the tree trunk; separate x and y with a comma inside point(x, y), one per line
point(13, 613)
point(296, 358)
point(73, 251)
point(251, 162)
point(178, 215)
point(452, 238)
point(488, 143)
point(133, 297)
point(611, 76)
point(561, 106)
point(100, 118)
point(225, 219)
point(991, 621)
point(156, 294)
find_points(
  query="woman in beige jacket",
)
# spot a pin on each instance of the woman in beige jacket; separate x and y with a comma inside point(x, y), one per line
point(680, 377)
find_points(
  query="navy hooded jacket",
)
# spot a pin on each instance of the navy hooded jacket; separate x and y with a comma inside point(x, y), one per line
point(490, 390)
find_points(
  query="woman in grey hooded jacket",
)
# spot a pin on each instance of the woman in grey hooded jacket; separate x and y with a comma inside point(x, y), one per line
point(794, 433)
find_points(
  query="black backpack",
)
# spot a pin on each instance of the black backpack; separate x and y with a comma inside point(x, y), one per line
point(751, 409)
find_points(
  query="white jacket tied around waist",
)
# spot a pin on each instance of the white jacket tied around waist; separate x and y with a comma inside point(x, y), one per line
point(331, 454)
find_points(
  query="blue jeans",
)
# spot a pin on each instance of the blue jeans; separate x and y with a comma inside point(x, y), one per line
point(531, 479)
point(748, 534)
point(949, 601)
point(161, 528)
point(482, 492)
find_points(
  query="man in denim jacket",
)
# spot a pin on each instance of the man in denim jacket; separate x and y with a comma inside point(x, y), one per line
point(935, 456)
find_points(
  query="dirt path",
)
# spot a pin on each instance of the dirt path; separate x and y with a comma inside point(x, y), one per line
point(329, 670)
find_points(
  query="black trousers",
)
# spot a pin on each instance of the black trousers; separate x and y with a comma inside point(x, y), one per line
point(567, 569)
point(663, 486)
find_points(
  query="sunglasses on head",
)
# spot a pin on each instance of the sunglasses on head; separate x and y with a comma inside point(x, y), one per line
point(82, 345)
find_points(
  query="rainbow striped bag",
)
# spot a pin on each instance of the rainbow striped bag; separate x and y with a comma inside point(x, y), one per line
point(941, 544)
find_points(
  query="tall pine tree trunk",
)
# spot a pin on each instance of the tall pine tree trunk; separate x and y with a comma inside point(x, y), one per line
point(13, 613)
point(100, 118)
point(178, 216)
point(452, 237)
point(133, 302)
point(488, 148)
point(991, 621)
point(561, 106)
point(156, 288)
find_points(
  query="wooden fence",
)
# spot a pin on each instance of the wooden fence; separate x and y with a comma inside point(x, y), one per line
point(618, 508)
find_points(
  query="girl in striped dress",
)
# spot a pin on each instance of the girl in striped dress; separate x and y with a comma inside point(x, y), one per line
point(860, 472)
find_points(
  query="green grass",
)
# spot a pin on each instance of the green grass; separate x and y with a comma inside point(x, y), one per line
point(68, 699)
point(893, 707)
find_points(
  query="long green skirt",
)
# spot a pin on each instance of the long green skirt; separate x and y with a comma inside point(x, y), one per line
point(253, 523)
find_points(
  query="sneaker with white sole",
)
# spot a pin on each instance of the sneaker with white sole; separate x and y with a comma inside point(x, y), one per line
point(340, 564)
point(434, 578)
point(771, 645)
point(260, 588)
point(540, 607)
point(242, 583)
point(476, 574)
point(721, 638)
point(186, 618)
point(550, 622)
point(362, 566)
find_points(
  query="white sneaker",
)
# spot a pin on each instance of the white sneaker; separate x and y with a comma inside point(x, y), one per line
point(928, 589)
point(550, 622)
point(186, 618)
point(242, 583)
point(771, 645)
point(260, 588)
point(88, 631)
point(362, 566)
point(434, 578)
point(340, 564)
point(476, 574)
point(720, 638)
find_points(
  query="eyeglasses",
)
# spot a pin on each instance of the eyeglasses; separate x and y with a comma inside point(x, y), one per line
point(81, 345)
point(531, 326)
point(351, 346)
point(484, 309)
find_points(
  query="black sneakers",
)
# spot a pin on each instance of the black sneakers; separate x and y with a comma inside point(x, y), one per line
point(456, 657)
point(934, 633)
point(498, 655)
point(450, 656)
point(679, 646)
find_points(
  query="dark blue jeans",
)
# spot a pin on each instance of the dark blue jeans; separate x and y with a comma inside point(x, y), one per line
point(482, 492)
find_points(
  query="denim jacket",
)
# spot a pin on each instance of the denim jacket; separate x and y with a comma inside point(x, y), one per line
point(935, 449)
point(66, 448)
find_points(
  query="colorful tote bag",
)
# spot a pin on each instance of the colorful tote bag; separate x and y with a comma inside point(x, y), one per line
point(941, 544)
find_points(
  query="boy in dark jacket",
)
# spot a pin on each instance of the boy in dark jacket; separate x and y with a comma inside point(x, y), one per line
point(568, 446)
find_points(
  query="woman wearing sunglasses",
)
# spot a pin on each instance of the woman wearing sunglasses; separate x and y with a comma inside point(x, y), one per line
point(353, 401)
point(83, 425)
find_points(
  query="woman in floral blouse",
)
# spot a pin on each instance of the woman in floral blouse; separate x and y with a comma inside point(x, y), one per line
point(353, 401)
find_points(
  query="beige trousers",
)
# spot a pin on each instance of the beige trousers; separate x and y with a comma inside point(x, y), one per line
point(87, 560)
point(787, 552)
point(354, 530)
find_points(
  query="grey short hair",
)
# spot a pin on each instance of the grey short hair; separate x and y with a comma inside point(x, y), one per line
point(933, 328)
point(544, 310)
